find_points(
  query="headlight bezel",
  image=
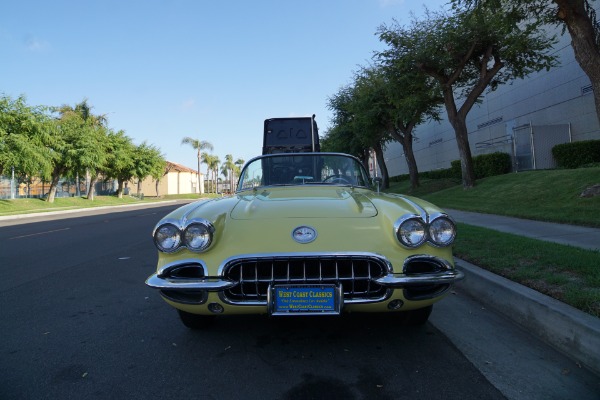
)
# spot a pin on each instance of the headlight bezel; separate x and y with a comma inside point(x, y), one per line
point(444, 219)
point(405, 222)
point(427, 223)
point(159, 243)
point(182, 230)
point(206, 242)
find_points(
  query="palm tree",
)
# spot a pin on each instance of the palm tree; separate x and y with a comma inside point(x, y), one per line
point(210, 160)
point(198, 145)
point(206, 160)
point(224, 171)
point(240, 163)
point(214, 166)
point(230, 166)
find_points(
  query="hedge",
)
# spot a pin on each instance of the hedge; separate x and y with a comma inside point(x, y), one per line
point(485, 165)
point(577, 154)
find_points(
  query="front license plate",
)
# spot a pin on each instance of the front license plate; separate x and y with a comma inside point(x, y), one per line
point(305, 299)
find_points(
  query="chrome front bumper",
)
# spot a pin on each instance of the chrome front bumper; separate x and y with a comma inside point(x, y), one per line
point(440, 272)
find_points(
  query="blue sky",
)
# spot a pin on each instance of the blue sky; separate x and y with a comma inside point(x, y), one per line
point(214, 70)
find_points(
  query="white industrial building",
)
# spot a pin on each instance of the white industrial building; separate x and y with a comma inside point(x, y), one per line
point(525, 119)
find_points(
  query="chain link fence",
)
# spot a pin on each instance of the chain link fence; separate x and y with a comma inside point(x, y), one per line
point(35, 188)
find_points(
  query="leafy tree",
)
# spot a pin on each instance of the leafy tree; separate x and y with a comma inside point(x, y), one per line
point(578, 17)
point(359, 127)
point(23, 132)
point(93, 139)
point(147, 161)
point(467, 52)
point(342, 137)
point(198, 145)
point(121, 159)
point(402, 98)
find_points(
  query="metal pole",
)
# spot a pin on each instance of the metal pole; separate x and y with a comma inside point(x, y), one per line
point(12, 184)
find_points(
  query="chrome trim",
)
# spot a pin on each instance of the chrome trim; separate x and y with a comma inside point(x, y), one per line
point(438, 278)
point(427, 223)
point(391, 280)
point(403, 219)
point(198, 221)
point(165, 269)
point(434, 217)
point(421, 210)
point(388, 264)
point(239, 188)
point(175, 224)
point(448, 276)
point(207, 284)
point(263, 256)
point(181, 225)
point(162, 280)
point(303, 241)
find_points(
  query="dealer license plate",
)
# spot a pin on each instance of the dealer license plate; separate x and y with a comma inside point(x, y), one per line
point(305, 299)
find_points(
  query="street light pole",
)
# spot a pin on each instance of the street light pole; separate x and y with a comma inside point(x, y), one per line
point(12, 184)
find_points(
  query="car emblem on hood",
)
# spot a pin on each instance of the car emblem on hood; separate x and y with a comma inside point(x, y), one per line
point(304, 234)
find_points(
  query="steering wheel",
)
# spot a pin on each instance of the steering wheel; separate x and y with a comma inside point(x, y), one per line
point(336, 179)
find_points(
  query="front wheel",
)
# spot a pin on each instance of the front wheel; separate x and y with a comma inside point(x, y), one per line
point(195, 321)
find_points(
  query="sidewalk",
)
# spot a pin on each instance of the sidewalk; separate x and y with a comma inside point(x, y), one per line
point(567, 329)
point(578, 236)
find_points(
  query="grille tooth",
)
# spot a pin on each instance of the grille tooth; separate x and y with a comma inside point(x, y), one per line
point(355, 273)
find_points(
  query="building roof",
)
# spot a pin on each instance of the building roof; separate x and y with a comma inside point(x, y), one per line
point(174, 167)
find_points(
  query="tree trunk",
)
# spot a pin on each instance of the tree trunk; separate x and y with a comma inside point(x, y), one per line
point(406, 140)
point(53, 186)
point(464, 149)
point(91, 188)
point(583, 39)
point(385, 176)
point(120, 187)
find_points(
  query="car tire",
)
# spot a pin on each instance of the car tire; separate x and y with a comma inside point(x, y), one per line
point(417, 317)
point(195, 321)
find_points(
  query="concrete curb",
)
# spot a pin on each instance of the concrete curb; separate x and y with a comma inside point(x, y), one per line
point(567, 329)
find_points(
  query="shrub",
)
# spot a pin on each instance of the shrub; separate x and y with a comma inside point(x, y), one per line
point(577, 154)
point(487, 165)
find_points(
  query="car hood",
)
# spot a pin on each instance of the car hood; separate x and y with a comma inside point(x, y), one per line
point(304, 202)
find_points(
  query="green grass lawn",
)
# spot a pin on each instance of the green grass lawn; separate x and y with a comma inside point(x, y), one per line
point(548, 195)
point(566, 273)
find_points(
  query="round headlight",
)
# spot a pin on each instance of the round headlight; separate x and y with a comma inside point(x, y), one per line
point(167, 238)
point(411, 232)
point(442, 231)
point(198, 236)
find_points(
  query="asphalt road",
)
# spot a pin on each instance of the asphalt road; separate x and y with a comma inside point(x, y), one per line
point(78, 322)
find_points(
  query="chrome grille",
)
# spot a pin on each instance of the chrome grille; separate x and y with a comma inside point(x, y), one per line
point(355, 273)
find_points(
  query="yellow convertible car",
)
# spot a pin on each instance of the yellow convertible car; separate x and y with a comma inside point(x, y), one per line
point(304, 234)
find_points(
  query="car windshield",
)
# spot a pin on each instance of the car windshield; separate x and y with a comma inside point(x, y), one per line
point(303, 169)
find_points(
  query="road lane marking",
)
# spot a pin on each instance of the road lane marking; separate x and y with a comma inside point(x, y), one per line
point(39, 233)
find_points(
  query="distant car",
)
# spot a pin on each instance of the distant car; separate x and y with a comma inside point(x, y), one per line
point(304, 234)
